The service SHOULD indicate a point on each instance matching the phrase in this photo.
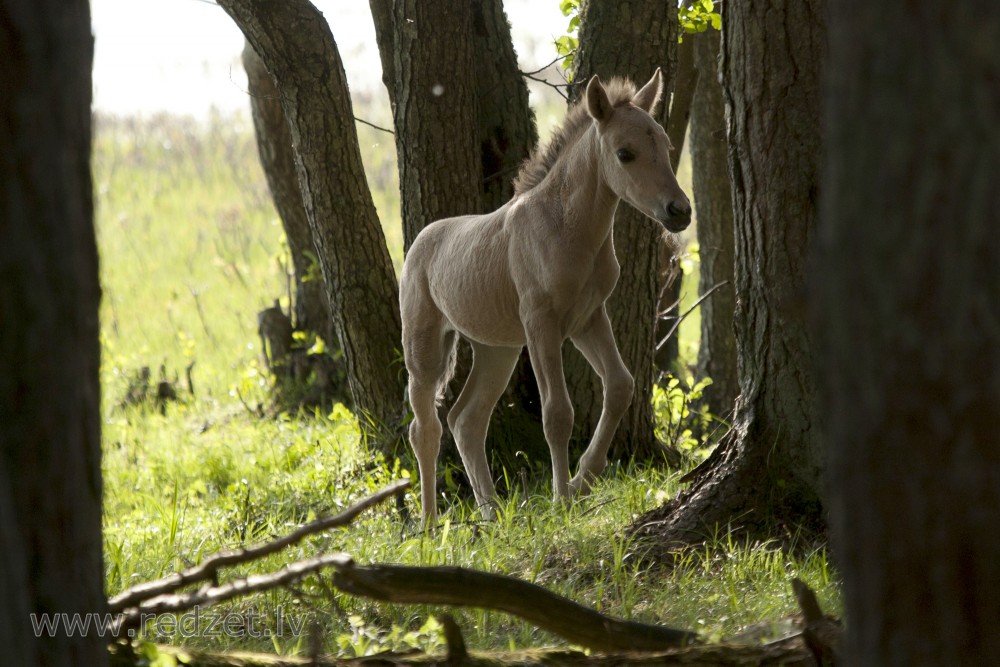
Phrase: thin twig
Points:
(207, 569)
(542, 69)
(662, 315)
(688, 312)
(555, 86)
(370, 124)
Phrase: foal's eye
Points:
(625, 155)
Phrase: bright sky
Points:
(183, 56)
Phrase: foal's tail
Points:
(450, 360)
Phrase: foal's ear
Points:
(649, 96)
(598, 103)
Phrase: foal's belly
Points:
(481, 305)
(484, 322)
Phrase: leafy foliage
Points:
(699, 16)
(682, 418)
(567, 44)
(694, 17)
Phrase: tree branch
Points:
(371, 124)
(207, 569)
(470, 588)
(210, 595)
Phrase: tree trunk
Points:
(50, 441)
(302, 378)
(507, 132)
(507, 135)
(506, 125)
(714, 208)
(909, 280)
(668, 309)
(459, 156)
(766, 473)
(685, 84)
(274, 143)
(627, 38)
(294, 41)
(435, 112)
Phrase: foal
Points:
(535, 272)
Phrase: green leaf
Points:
(319, 347)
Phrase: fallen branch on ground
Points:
(454, 586)
(628, 641)
(135, 617)
(461, 587)
(208, 569)
(427, 585)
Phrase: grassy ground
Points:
(191, 249)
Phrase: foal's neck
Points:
(588, 202)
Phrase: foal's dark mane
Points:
(540, 163)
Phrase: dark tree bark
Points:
(908, 280)
(668, 309)
(50, 473)
(767, 471)
(685, 84)
(459, 155)
(714, 208)
(507, 132)
(277, 157)
(295, 43)
(627, 38)
(302, 378)
(507, 135)
(474, 32)
(435, 112)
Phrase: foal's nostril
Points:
(677, 211)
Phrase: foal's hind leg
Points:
(427, 356)
(597, 343)
(469, 418)
(425, 438)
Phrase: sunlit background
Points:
(183, 56)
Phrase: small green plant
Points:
(365, 639)
(682, 418)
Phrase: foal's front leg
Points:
(597, 343)
(545, 351)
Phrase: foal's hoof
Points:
(579, 486)
(489, 511)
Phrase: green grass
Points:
(191, 249)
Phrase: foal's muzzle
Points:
(676, 216)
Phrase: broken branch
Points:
(470, 588)
(207, 569)
(210, 595)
